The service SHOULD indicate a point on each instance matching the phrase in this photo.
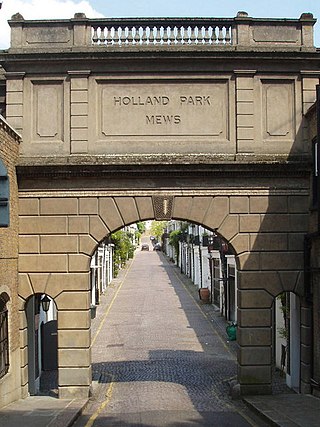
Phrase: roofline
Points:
(9, 128)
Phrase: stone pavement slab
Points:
(287, 410)
(41, 411)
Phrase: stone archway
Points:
(60, 231)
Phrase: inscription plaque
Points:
(144, 109)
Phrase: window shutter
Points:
(4, 196)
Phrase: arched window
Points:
(4, 335)
(4, 196)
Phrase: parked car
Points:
(145, 247)
(157, 247)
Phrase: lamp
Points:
(45, 303)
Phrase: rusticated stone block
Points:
(249, 223)
(305, 372)
(78, 225)
(28, 207)
(73, 357)
(74, 392)
(73, 301)
(255, 356)
(254, 336)
(88, 206)
(254, 374)
(29, 244)
(306, 335)
(229, 227)
(71, 319)
(269, 280)
(39, 282)
(74, 376)
(59, 206)
(299, 222)
(217, 213)
(269, 242)
(268, 204)
(249, 261)
(182, 207)
(254, 317)
(79, 263)
(58, 244)
(42, 225)
(77, 338)
(199, 208)
(110, 214)
(276, 223)
(240, 243)
(25, 287)
(98, 229)
(145, 207)
(295, 241)
(254, 299)
(298, 204)
(43, 263)
(58, 283)
(239, 204)
(281, 260)
(305, 354)
(87, 244)
(128, 209)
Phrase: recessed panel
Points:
(163, 109)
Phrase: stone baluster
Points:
(130, 36)
(95, 37)
(123, 36)
(136, 37)
(193, 35)
(165, 36)
(109, 39)
(156, 33)
(151, 35)
(220, 36)
(228, 35)
(206, 36)
(102, 35)
(144, 35)
(179, 36)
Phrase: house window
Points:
(4, 196)
(4, 336)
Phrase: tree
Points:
(123, 249)
(157, 229)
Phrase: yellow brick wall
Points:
(9, 148)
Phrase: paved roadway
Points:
(159, 359)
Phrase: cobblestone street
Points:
(158, 359)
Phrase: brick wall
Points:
(9, 146)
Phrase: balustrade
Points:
(161, 34)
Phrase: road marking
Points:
(110, 388)
(109, 307)
(103, 404)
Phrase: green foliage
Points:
(157, 229)
(141, 227)
(123, 249)
(174, 238)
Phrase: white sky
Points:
(50, 9)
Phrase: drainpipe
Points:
(310, 238)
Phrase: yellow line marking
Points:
(102, 406)
(110, 388)
(109, 307)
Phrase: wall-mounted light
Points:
(45, 303)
